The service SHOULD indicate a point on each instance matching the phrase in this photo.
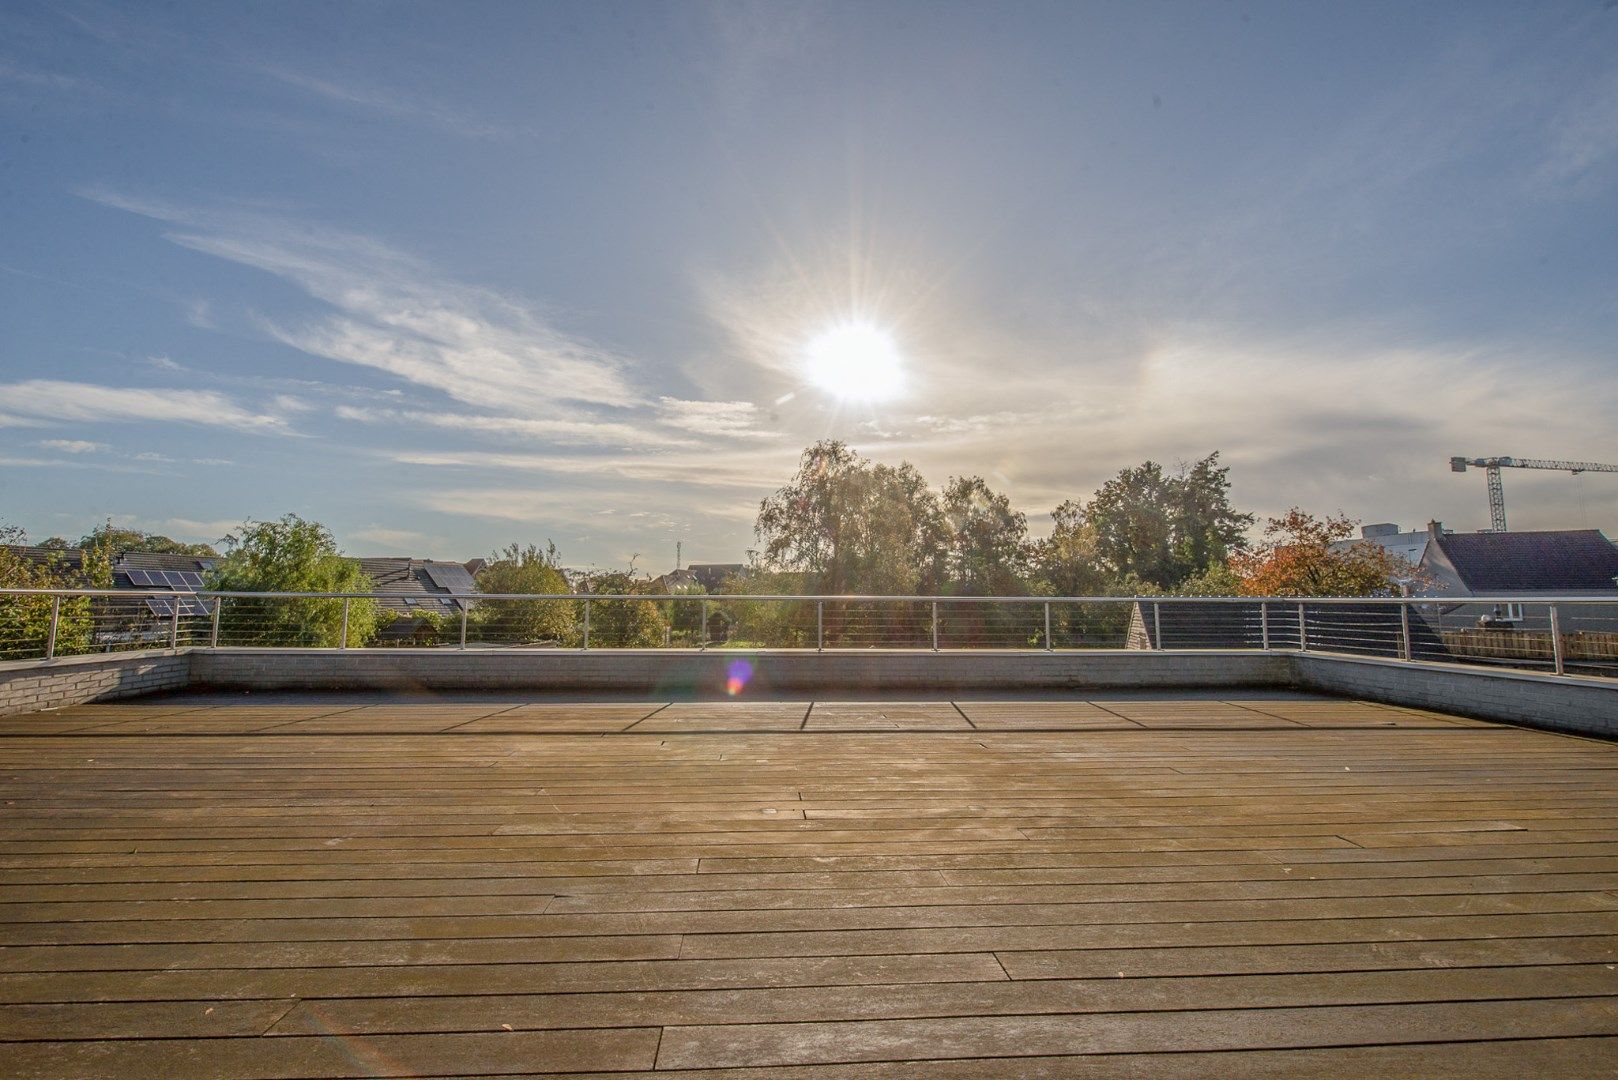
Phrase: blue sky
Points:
(445, 276)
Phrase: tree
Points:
(1068, 562)
(768, 624)
(25, 621)
(1164, 528)
(1296, 558)
(625, 624)
(290, 555)
(525, 569)
(119, 540)
(987, 540)
(854, 526)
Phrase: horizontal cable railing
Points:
(1563, 635)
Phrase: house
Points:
(1566, 562)
(1409, 546)
(408, 588)
(711, 576)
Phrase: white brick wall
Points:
(29, 686)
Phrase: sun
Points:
(855, 362)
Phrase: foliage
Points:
(853, 525)
(1296, 558)
(117, 540)
(290, 555)
(771, 625)
(520, 569)
(1163, 528)
(626, 624)
(1068, 562)
(25, 620)
(987, 540)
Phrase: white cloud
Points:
(51, 399)
(734, 419)
(396, 104)
(74, 446)
(391, 313)
(579, 432)
(744, 474)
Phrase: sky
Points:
(448, 276)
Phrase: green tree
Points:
(1068, 561)
(854, 526)
(117, 540)
(25, 620)
(987, 540)
(529, 570)
(1163, 528)
(625, 624)
(290, 555)
(768, 624)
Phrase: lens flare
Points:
(737, 676)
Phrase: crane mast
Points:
(1497, 494)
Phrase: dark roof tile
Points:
(1572, 559)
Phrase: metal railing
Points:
(1562, 635)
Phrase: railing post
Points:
(1157, 625)
(1303, 629)
(56, 617)
(935, 626)
(174, 625)
(1264, 625)
(1558, 661)
(342, 642)
(1405, 650)
(466, 605)
(586, 624)
(213, 630)
(820, 626)
(1047, 626)
(704, 638)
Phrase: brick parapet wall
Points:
(29, 686)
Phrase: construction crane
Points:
(1497, 495)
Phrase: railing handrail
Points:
(1502, 598)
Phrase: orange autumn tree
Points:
(1296, 558)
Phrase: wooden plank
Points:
(1058, 888)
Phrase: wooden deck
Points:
(1137, 888)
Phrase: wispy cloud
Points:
(74, 446)
(394, 103)
(515, 428)
(734, 419)
(390, 312)
(51, 399)
(754, 473)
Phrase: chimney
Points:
(1435, 528)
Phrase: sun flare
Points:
(855, 362)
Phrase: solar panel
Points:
(139, 577)
(164, 608)
(192, 579)
(450, 578)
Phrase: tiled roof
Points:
(1574, 559)
(62, 558)
(417, 584)
(151, 560)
